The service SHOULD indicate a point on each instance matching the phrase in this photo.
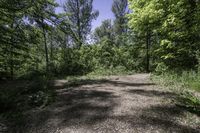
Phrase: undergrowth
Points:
(120, 70)
(24, 95)
(187, 87)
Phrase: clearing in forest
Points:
(116, 104)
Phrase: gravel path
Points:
(119, 104)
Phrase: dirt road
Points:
(117, 104)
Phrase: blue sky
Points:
(104, 7)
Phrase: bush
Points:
(189, 101)
(185, 85)
(161, 68)
(37, 99)
(37, 93)
(119, 70)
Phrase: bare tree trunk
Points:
(51, 54)
(11, 55)
(46, 51)
(79, 24)
(11, 64)
(148, 42)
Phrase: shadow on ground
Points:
(167, 118)
(152, 93)
(73, 107)
(162, 116)
(77, 83)
(87, 106)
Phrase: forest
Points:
(150, 44)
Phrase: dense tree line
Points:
(35, 38)
(144, 36)
(169, 30)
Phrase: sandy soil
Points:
(118, 104)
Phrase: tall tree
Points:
(13, 35)
(43, 14)
(120, 9)
(81, 14)
(104, 31)
(173, 25)
(145, 21)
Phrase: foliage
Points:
(120, 9)
(104, 31)
(119, 70)
(171, 29)
(81, 14)
(161, 68)
(27, 95)
(189, 101)
(185, 85)
(93, 57)
(37, 44)
(13, 36)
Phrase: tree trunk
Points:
(46, 51)
(148, 42)
(51, 54)
(79, 24)
(11, 64)
(11, 54)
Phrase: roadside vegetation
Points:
(186, 85)
(39, 45)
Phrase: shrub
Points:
(37, 93)
(161, 68)
(189, 101)
(185, 85)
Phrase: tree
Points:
(119, 8)
(179, 34)
(104, 31)
(172, 26)
(81, 14)
(142, 20)
(43, 14)
(14, 36)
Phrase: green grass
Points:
(187, 87)
(97, 75)
(100, 73)
(111, 71)
(185, 80)
(189, 101)
(195, 85)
